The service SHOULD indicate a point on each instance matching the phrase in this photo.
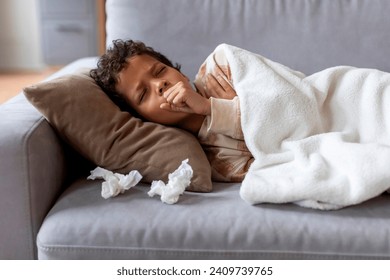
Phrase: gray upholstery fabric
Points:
(32, 173)
(217, 225)
(305, 35)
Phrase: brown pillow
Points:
(86, 118)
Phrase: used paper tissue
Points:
(115, 183)
(178, 181)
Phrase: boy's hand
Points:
(218, 87)
(182, 98)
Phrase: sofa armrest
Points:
(32, 172)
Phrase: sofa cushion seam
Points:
(194, 252)
(28, 201)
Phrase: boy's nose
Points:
(161, 87)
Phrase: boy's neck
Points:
(192, 124)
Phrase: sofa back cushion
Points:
(305, 35)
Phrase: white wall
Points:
(20, 47)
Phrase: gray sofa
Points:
(49, 211)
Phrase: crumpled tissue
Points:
(115, 183)
(178, 181)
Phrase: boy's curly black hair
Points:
(115, 59)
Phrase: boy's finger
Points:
(211, 79)
(170, 90)
(229, 91)
(168, 107)
(173, 108)
(221, 80)
(214, 85)
(170, 96)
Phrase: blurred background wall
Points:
(20, 38)
(38, 37)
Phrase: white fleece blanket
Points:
(321, 141)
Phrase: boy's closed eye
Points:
(161, 70)
(142, 96)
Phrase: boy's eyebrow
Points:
(154, 65)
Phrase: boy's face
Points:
(142, 84)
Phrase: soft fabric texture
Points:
(93, 125)
(217, 225)
(320, 141)
(222, 140)
(221, 134)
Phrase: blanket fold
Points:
(320, 141)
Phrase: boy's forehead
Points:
(136, 64)
(141, 59)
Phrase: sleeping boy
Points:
(319, 141)
(157, 91)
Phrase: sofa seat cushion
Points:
(217, 225)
